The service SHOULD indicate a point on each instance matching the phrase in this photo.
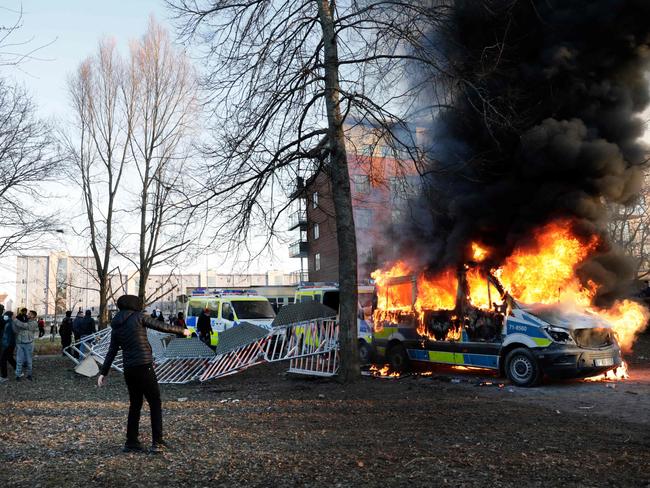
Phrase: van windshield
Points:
(195, 309)
(257, 309)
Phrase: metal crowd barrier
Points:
(78, 350)
(310, 346)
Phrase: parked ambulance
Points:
(524, 342)
(227, 309)
(327, 293)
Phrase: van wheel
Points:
(398, 359)
(522, 368)
(365, 353)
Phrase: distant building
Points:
(58, 282)
(163, 290)
(213, 279)
(52, 284)
(381, 182)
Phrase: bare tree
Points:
(282, 78)
(629, 228)
(27, 160)
(134, 117)
(163, 86)
(103, 106)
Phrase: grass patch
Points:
(44, 347)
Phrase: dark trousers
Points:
(7, 356)
(142, 383)
(66, 340)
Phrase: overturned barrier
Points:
(183, 360)
(309, 345)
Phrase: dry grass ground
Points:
(262, 428)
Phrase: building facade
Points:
(381, 184)
(52, 284)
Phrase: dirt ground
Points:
(263, 428)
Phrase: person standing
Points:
(66, 330)
(41, 327)
(180, 320)
(2, 320)
(25, 333)
(129, 333)
(8, 346)
(203, 326)
(84, 326)
(76, 325)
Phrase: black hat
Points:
(129, 302)
(68, 313)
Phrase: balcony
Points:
(298, 189)
(298, 219)
(298, 249)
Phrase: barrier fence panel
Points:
(309, 338)
(78, 350)
(182, 361)
(239, 348)
(311, 347)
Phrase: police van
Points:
(227, 309)
(327, 293)
(524, 342)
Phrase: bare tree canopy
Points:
(27, 160)
(130, 145)
(282, 78)
(98, 151)
(163, 86)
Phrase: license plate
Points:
(604, 362)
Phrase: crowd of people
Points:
(18, 333)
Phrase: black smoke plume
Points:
(546, 97)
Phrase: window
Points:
(363, 218)
(226, 312)
(194, 309)
(361, 183)
(317, 261)
(314, 199)
(316, 231)
(257, 309)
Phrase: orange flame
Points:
(620, 373)
(545, 271)
(542, 271)
(478, 253)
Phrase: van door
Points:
(481, 331)
(228, 317)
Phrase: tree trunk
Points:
(142, 285)
(103, 302)
(339, 176)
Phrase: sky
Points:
(67, 32)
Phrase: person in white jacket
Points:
(25, 333)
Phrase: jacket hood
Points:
(120, 318)
(129, 302)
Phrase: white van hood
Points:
(559, 315)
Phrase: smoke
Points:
(545, 123)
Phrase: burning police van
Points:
(467, 318)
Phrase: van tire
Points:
(398, 359)
(522, 368)
(365, 353)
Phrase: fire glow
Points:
(543, 272)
